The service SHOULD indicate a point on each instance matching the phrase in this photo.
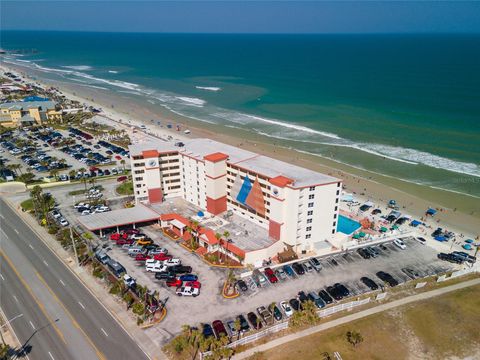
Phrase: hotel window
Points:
(138, 178)
(311, 197)
(310, 205)
(336, 201)
(309, 221)
(336, 208)
(335, 216)
(333, 231)
(312, 188)
(338, 192)
(309, 228)
(334, 223)
(310, 213)
(338, 184)
(308, 236)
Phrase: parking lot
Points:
(210, 305)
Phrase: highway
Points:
(61, 318)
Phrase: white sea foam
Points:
(208, 88)
(78, 67)
(113, 71)
(94, 86)
(192, 101)
(25, 61)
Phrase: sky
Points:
(243, 16)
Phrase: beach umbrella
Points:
(383, 229)
(467, 246)
(362, 234)
(394, 227)
(200, 213)
(356, 236)
(469, 241)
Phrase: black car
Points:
(453, 258)
(254, 320)
(165, 275)
(299, 269)
(325, 297)
(181, 269)
(386, 277)
(295, 304)
(243, 323)
(207, 331)
(469, 258)
(302, 296)
(242, 285)
(342, 289)
(151, 247)
(372, 285)
(333, 291)
(363, 253)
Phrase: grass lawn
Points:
(27, 204)
(438, 328)
(126, 188)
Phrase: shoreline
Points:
(458, 210)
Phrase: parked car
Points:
(142, 257)
(129, 281)
(280, 274)
(295, 304)
(195, 284)
(299, 269)
(243, 323)
(288, 270)
(386, 277)
(207, 331)
(270, 275)
(411, 273)
(242, 285)
(302, 296)
(254, 320)
(342, 289)
(277, 314)
(363, 253)
(400, 244)
(316, 264)
(308, 267)
(172, 262)
(189, 277)
(334, 293)
(325, 297)
(158, 250)
(165, 275)
(372, 285)
(421, 240)
(286, 308)
(188, 291)
(181, 269)
(219, 329)
(63, 222)
(161, 257)
(174, 282)
(145, 241)
(317, 300)
(265, 315)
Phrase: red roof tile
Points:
(216, 157)
(281, 181)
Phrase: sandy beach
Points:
(457, 212)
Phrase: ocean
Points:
(405, 106)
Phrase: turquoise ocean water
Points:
(407, 106)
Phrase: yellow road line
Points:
(40, 305)
(99, 353)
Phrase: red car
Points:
(174, 282)
(132, 231)
(271, 275)
(162, 257)
(118, 157)
(193, 284)
(115, 236)
(122, 178)
(123, 241)
(142, 257)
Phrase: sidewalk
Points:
(356, 316)
(149, 339)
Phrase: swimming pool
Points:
(346, 225)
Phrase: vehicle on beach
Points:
(400, 244)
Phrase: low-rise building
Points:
(22, 113)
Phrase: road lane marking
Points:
(31, 324)
(2, 217)
(29, 289)
(104, 332)
(16, 231)
(15, 298)
(83, 307)
(1, 276)
(72, 319)
(61, 282)
(45, 262)
(51, 356)
(31, 247)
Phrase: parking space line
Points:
(31, 324)
(104, 332)
(61, 282)
(31, 247)
(81, 305)
(45, 262)
(15, 298)
(16, 231)
(1, 276)
(51, 356)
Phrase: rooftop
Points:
(135, 215)
(263, 165)
(18, 105)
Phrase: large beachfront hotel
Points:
(268, 206)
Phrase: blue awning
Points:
(415, 223)
(245, 190)
(431, 211)
(440, 238)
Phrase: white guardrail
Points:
(284, 324)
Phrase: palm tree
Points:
(84, 179)
(123, 164)
(54, 173)
(237, 325)
(71, 174)
(354, 338)
(218, 236)
(14, 168)
(226, 235)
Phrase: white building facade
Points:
(298, 207)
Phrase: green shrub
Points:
(138, 308)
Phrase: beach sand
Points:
(457, 212)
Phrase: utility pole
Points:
(6, 323)
(74, 246)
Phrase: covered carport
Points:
(139, 214)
